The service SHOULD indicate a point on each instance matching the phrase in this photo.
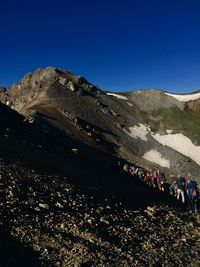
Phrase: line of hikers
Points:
(186, 191)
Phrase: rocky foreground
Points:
(46, 221)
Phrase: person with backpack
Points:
(181, 188)
(154, 178)
(192, 194)
(126, 167)
(148, 177)
(141, 174)
(158, 178)
(173, 187)
(132, 170)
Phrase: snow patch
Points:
(139, 131)
(154, 156)
(118, 96)
(180, 143)
(177, 142)
(169, 131)
(129, 104)
(184, 98)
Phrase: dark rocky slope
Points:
(64, 221)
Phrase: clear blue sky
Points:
(118, 44)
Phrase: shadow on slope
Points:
(86, 170)
(14, 254)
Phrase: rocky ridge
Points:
(148, 100)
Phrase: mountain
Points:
(64, 202)
(149, 126)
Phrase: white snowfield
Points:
(139, 131)
(180, 143)
(185, 98)
(118, 96)
(154, 156)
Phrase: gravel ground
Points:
(54, 223)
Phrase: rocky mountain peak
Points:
(50, 75)
(33, 79)
(46, 83)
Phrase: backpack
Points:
(194, 188)
(125, 167)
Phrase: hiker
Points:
(147, 179)
(166, 187)
(192, 194)
(158, 178)
(173, 187)
(154, 179)
(132, 170)
(141, 174)
(164, 183)
(181, 188)
(125, 168)
(136, 170)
